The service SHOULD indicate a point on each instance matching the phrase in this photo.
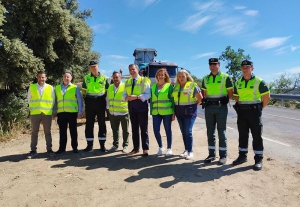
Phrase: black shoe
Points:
(60, 151)
(75, 151)
(103, 149)
(239, 160)
(88, 148)
(209, 159)
(257, 166)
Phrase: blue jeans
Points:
(167, 121)
(186, 128)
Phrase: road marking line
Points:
(283, 117)
(230, 128)
(276, 142)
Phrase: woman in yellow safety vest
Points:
(187, 96)
(162, 109)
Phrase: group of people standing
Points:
(128, 101)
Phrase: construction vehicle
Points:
(144, 58)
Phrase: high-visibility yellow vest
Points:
(68, 101)
(95, 88)
(148, 80)
(161, 104)
(116, 103)
(38, 104)
(216, 89)
(139, 88)
(251, 94)
(186, 96)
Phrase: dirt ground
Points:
(114, 179)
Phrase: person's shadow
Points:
(112, 161)
(186, 172)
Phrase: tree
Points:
(43, 34)
(285, 84)
(196, 80)
(233, 61)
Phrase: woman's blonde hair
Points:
(188, 77)
(167, 77)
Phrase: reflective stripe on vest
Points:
(40, 104)
(216, 89)
(251, 94)
(95, 87)
(161, 104)
(66, 102)
(139, 88)
(115, 100)
(186, 96)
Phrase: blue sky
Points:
(189, 32)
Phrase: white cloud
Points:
(204, 13)
(270, 42)
(101, 28)
(293, 70)
(142, 3)
(229, 26)
(194, 22)
(203, 55)
(293, 48)
(251, 12)
(239, 7)
(281, 50)
(116, 57)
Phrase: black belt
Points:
(215, 103)
(94, 97)
(248, 107)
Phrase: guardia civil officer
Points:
(118, 111)
(251, 95)
(94, 86)
(217, 89)
(137, 92)
(68, 107)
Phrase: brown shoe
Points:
(133, 152)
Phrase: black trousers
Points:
(139, 122)
(250, 120)
(95, 107)
(64, 119)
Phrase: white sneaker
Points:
(125, 150)
(160, 151)
(169, 152)
(189, 156)
(184, 154)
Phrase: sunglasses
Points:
(213, 63)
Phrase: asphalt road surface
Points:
(281, 132)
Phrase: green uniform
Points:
(216, 110)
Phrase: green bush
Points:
(287, 104)
(13, 112)
(272, 101)
(297, 106)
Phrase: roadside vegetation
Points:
(38, 35)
